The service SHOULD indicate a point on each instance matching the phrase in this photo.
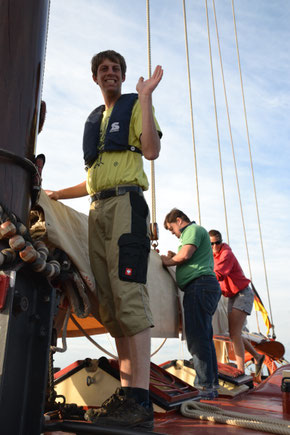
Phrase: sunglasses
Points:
(216, 243)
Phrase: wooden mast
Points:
(27, 312)
(23, 26)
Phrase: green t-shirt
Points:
(201, 262)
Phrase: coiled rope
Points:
(214, 414)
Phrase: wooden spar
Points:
(23, 26)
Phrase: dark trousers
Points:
(200, 301)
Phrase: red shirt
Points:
(229, 272)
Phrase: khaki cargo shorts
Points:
(119, 247)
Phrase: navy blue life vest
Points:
(117, 133)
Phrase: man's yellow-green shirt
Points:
(115, 168)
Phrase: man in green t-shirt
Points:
(195, 276)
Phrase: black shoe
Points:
(207, 394)
(128, 414)
(109, 405)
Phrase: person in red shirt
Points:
(235, 286)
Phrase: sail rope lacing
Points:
(191, 111)
(216, 122)
(252, 169)
(206, 412)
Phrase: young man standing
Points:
(195, 276)
(116, 136)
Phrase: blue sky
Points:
(80, 28)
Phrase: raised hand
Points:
(146, 87)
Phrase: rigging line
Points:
(148, 36)
(252, 168)
(90, 338)
(152, 165)
(231, 138)
(78, 325)
(191, 111)
(109, 340)
(216, 121)
(64, 334)
(159, 347)
(44, 62)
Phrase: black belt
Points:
(117, 191)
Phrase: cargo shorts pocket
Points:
(133, 258)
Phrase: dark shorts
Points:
(242, 301)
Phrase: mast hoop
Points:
(21, 161)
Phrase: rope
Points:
(216, 121)
(252, 168)
(23, 248)
(90, 338)
(44, 61)
(148, 36)
(152, 165)
(191, 111)
(102, 348)
(50, 380)
(231, 138)
(159, 347)
(64, 333)
(203, 411)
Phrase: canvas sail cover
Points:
(64, 228)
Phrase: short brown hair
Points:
(215, 233)
(173, 215)
(113, 56)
